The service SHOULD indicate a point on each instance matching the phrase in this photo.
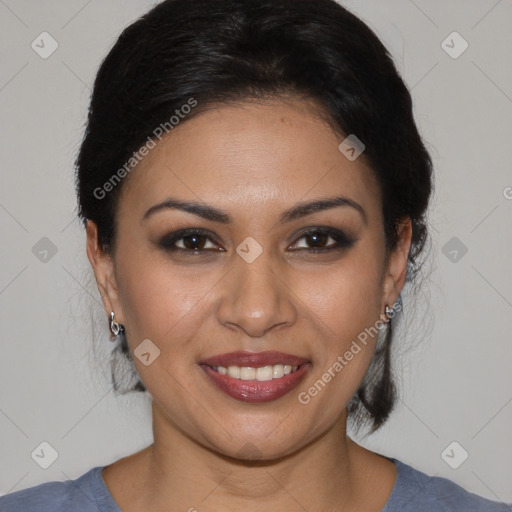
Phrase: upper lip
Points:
(254, 359)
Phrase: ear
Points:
(103, 267)
(395, 271)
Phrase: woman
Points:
(254, 190)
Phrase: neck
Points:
(181, 471)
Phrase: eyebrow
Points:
(217, 215)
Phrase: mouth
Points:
(255, 377)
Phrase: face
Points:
(249, 278)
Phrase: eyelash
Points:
(342, 241)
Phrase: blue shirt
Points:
(413, 491)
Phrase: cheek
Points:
(344, 297)
(165, 305)
(170, 305)
(156, 296)
(343, 304)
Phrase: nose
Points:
(256, 298)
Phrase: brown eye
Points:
(320, 238)
(191, 240)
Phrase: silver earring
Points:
(389, 312)
(114, 326)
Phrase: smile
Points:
(255, 377)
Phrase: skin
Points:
(252, 160)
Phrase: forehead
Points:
(249, 156)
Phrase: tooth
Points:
(247, 373)
(234, 371)
(277, 371)
(264, 373)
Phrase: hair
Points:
(221, 51)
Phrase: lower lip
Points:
(256, 391)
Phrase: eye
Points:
(196, 241)
(191, 240)
(320, 237)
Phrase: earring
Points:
(114, 326)
(385, 318)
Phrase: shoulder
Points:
(88, 493)
(416, 491)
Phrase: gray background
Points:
(454, 360)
